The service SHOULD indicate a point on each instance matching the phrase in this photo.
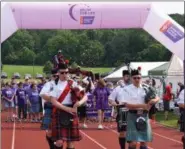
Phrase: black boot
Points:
(143, 147)
(50, 142)
(58, 147)
(122, 142)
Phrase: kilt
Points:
(62, 133)
(133, 134)
(121, 120)
(46, 121)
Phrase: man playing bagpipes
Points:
(66, 97)
(114, 100)
(139, 98)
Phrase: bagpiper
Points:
(66, 97)
(139, 99)
(114, 99)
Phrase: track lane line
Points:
(93, 140)
(13, 137)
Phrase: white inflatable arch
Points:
(92, 15)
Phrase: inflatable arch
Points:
(93, 15)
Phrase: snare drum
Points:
(122, 118)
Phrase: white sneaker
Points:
(84, 126)
(100, 127)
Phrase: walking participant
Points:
(101, 94)
(114, 100)
(139, 100)
(45, 95)
(181, 106)
(66, 97)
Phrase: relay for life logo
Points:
(172, 31)
(82, 13)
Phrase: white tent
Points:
(145, 67)
(175, 72)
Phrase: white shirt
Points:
(46, 90)
(133, 95)
(59, 88)
(181, 97)
(116, 93)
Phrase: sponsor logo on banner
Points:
(171, 31)
(84, 14)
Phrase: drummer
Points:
(114, 101)
(138, 125)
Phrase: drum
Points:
(122, 118)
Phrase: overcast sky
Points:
(171, 7)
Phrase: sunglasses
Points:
(64, 72)
(136, 78)
(55, 76)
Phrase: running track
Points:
(28, 136)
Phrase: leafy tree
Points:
(47, 67)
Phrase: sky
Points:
(171, 7)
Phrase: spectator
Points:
(8, 95)
(33, 96)
(21, 102)
(166, 99)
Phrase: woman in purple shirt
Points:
(8, 95)
(101, 94)
(21, 101)
(33, 96)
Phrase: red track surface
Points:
(28, 136)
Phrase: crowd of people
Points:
(59, 102)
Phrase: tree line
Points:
(92, 48)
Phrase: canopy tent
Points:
(172, 71)
(145, 67)
(92, 15)
(159, 71)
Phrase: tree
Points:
(27, 56)
(47, 67)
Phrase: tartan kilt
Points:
(46, 121)
(133, 134)
(66, 134)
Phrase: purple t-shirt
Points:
(101, 95)
(33, 96)
(26, 86)
(21, 97)
(40, 86)
(8, 93)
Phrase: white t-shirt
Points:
(116, 94)
(181, 97)
(59, 88)
(133, 95)
(46, 90)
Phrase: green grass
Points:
(10, 69)
(171, 122)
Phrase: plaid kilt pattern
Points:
(46, 121)
(66, 134)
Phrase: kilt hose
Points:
(62, 133)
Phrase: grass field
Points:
(171, 122)
(10, 69)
